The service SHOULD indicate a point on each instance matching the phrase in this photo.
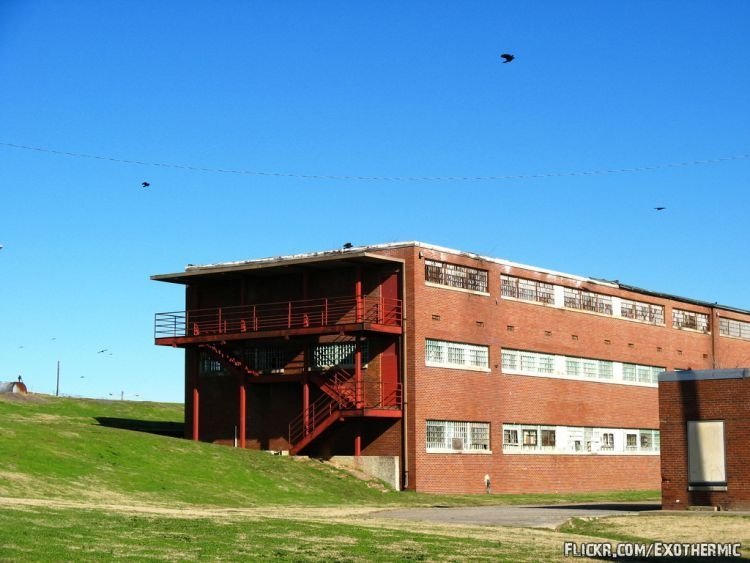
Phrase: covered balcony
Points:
(326, 315)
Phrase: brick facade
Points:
(495, 397)
(694, 397)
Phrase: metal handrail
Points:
(304, 313)
(352, 395)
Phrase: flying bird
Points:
(660, 208)
(508, 57)
(102, 351)
(145, 184)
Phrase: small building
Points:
(13, 387)
(705, 452)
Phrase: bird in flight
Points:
(102, 351)
(660, 208)
(508, 57)
(145, 184)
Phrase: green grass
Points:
(56, 448)
(89, 535)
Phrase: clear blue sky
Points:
(352, 88)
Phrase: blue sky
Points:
(379, 89)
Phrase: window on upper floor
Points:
(527, 290)
(642, 312)
(734, 328)
(587, 301)
(454, 275)
(690, 320)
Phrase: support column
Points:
(243, 411)
(358, 387)
(359, 309)
(196, 400)
(358, 443)
(306, 402)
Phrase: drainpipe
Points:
(404, 387)
(714, 335)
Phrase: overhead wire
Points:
(597, 172)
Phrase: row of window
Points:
(454, 275)
(529, 438)
(451, 436)
(570, 298)
(522, 362)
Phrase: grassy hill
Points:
(78, 449)
(67, 448)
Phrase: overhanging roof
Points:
(272, 266)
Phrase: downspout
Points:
(714, 335)
(404, 387)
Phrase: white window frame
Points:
(458, 437)
(578, 440)
(457, 355)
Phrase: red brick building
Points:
(705, 424)
(461, 365)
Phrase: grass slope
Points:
(56, 448)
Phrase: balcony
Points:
(326, 315)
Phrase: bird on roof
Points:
(660, 208)
(508, 57)
(145, 184)
(348, 245)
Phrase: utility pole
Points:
(57, 388)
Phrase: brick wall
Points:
(450, 394)
(683, 401)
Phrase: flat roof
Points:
(366, 253)
(704, 374)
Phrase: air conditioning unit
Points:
(457, 443)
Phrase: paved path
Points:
(537, 516)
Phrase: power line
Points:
(599, 172)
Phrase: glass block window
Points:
(441, 353)
(642, 312)
(734, 328)
(587, 301)
(690, 320)
(454, 275)
(457, 436)
(336, 354)
(527, 290)
(510, 359)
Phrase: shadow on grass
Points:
(160, 427)
(624, 506)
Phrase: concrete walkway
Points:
(536, 516)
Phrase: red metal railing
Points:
(367, 395)
(306, 313)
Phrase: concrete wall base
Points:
(383, 467)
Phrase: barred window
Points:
(441, 353)
(734, 328)
(527, 290)
(210, 367)
(642, 312)
(690, 320)
(453, 275)
(587, 301)
(457, 436)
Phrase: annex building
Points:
(458, 365)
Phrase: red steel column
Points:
(358, 443)
(306, 402)
(243, 411)
(358, 372)
(196, 398)
(358, 296)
